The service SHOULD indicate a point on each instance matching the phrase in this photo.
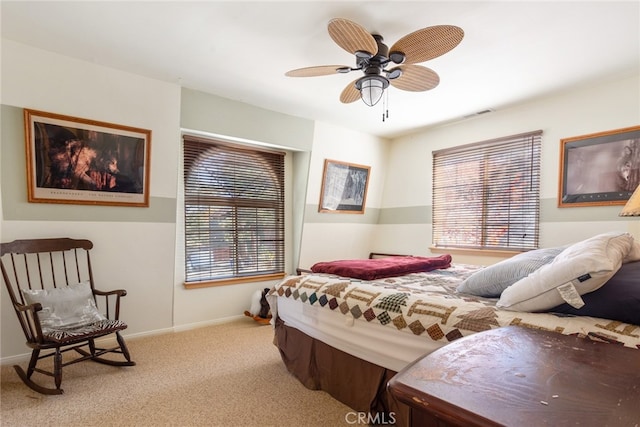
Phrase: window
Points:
(487, 195)
(234, 211)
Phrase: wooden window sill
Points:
(233, 281)
(475, 252)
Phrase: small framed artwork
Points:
(344, 187)
(80, 161)
(599, 169)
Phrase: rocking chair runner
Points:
(50, 283)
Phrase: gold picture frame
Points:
(344, 187)
(80, 161)
(599, 169)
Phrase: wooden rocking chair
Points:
(51, 286)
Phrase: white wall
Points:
(137, 249)
(328, 236)
(140, 249)
(610, 105)
(136, 255)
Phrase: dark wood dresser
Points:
(517, 376)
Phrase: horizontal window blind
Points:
(487, 195)
(234, 211)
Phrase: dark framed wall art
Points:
(344, 187)
(599, 169)
(80, 161)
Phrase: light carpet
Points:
(222, 375)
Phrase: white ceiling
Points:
(512, 51)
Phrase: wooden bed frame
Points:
(357, 383)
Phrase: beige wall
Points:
(327, 236)
(134, 247)
(140, 248)
(405, 222)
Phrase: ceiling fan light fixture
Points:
(371, 89)
(373, 56)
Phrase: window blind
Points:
(486, 195)
(234, 210)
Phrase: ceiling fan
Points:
(373, 56)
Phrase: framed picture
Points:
(599, 169)
(79, 161)
(344, 187)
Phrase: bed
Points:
(347, 326)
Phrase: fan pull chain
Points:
(385, 105)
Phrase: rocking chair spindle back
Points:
(51, 286)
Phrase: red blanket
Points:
(379, 268)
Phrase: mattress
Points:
(378, 345)
(391, 322)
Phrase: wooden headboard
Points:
(373, 255)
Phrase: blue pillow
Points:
(618, 299)
(492, 280)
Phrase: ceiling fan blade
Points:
(350, 93)
(352, 37)
(322, 70)
(428, 43)
(415, 78)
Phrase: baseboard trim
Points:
(189, 326)
(21, 358)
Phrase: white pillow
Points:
(65, 307)
(634, 253)
(581, 268)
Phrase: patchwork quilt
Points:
(428, 305)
